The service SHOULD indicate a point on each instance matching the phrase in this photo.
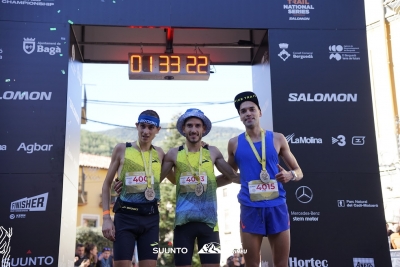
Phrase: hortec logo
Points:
(211, 248)
(363, 262)
(51, 48)
(295, 262)
(36, 203)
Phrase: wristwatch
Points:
(294, 176)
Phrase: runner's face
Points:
(106, 254)
(147, 132)
(249, 114)
(193, 130)
(80, 251)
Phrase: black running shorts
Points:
(185, 236)
(143, 229)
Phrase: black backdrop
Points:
(320, 55)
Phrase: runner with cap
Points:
(138, 166)
(262, 198)
(196, 185)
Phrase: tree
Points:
(92, 236)
(174, 138)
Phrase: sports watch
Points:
(294, 176)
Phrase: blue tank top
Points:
(250, 170)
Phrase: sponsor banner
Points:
(33, 213)
(317, 201)
(332, 103)
(33, 10)
(34, 97)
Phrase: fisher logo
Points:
(344, 52)
(294, 262)
(320, 97)
(304, 194)
(211, 248)
(34, 147)
(363, 262)
(358, 140)
(29, 45)
(340, 140)
(298, 9)
(284, 54)
(36, 203)
(51, 48)
(3, 147)
(19, 95)
(303, 140)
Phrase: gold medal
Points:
(199, 189)
(264, 176)
(149, 194)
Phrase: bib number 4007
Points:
(266, 187)
(139, 179)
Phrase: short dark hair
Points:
(150, 112)
(80, 245)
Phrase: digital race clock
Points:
(169, 66)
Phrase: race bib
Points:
(135, 182)
(263, 191)
(188, 183)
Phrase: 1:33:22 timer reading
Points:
(169, 66)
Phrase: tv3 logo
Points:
(340, 140)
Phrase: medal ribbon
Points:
(263, 160)
(197, 177)
(147, 169)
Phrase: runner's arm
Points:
(289, 159)
(167, 166)
(228, 174)
(108, 226)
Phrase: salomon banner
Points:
(33, 91)
(321, 102)
(30, 212)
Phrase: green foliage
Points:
(97, 144)
(92, 236)
(173, 137)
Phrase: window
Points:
(90, 220)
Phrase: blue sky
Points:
(110, 82)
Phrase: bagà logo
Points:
(18, 95)
(319, 97)
(284, 54)
(36, 203)
(28, 261)
(5, 238)
(363, 262)
(304, 194)
(303, 140)
(34, 147)
(42, 47)
(29, 45)
(211, 248)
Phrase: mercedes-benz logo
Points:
(304, 194)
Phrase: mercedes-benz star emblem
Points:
(304, 194)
